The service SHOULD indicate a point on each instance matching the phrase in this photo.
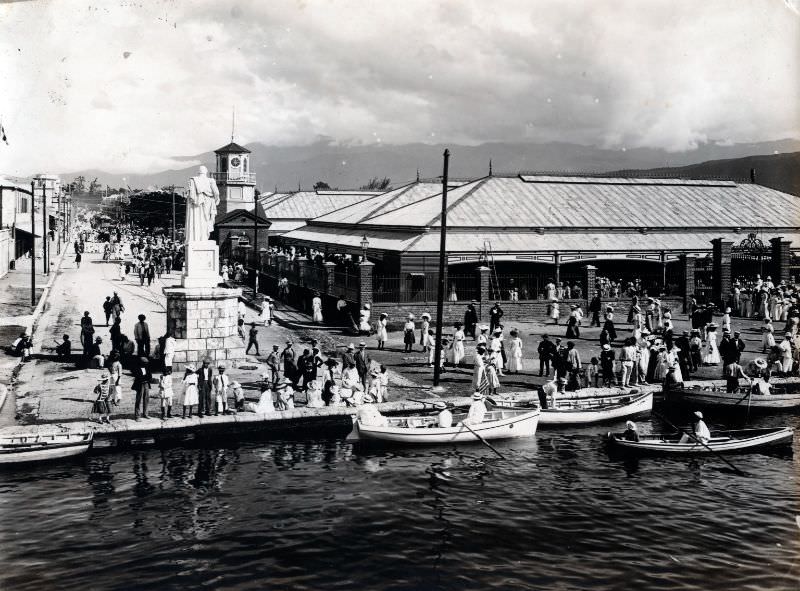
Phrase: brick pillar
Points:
(483, 282)
(781, 259)
(557, 261)
(302, 263)
(330, 269)
(721, 269)
(688, 280)
(365, 282)
(589, 278)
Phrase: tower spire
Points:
(490, 167)
(233, 123)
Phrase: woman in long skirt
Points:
(515, 350)
(491, 377)
(479, 368)
(190, 394)
(711, 355)
(316, 306)
(382, 333)
(458, 344)
(408, 333)
(423, 332)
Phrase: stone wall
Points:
(203, 321)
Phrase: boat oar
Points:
(715, 452)
(483, 441)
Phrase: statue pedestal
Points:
(203, 321)
(201, 267)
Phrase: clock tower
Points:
(237, 185)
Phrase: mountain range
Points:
(348, 166)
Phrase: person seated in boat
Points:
(630, 434)
(477, 410)
(759, 387)
(445, 417)
(732, 372)
(370, 416)
(699, 429)
(547, 394)
(314, 395)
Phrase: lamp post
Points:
(364, 247)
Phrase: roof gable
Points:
(232, 148)
(242, 216)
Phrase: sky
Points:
(134, 85)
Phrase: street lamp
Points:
(364, 247)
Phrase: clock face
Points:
(235, 161)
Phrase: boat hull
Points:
(41, 448)
(591, 410)
(516, 424)
(742, 441)
(722, 399)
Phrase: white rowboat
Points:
(497, 424)
(39, 447)
(720, 398)
(741, 440)
(590, 410)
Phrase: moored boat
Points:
(782, 398)
(587, 410)
(39, 447)
(497, 424)
(739, 441)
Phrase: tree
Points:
(94, 186)
(321, 186)
(79, 184)
(376, 184)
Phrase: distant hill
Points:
(777, 171)
(350, 166)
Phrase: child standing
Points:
(423, 332)
(190, 397)
(102, 405)
(408, 333)
(382, 333)
(554, 311)
(593, 373)
(165, 392)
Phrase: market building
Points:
(510, 235)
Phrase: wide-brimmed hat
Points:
(477, 396)
(484, 328)
(191, 367)
(103, 377)
(351, 346)
(606, 347)
(331, 362)
(630, 425)
(698, 414)
(727, 310)
(712, 325)
(235, 385)
(423, 315)
(367, 306)
(760, 363)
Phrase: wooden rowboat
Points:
(780, 399)
(39, 447)
(497, 424)
(589, 410)
(742, 440)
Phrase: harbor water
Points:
(557, 513)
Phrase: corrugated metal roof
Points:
(283, 226)
(383, 203)
(310, 204)
(513, 203)
(588, 180)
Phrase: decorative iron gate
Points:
(749, 258)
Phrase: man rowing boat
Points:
(477, 410)
(700, 430)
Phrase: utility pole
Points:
(58, 222)
(33, 248)
(256, 255)
(437, 354)
(173, 212)
(45, 232)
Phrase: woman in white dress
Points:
(662, 365)
(121, 271)
(382, 333)
(316, 306)
(711, 354)
(190, 397)
(767, 336)
(479, 368)
(225, 273)
(266, 312)
(515, 357)
(423, 332)
(458, 344)
(363, 320)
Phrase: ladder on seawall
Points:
(488, 257)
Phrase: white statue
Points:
(201, 206)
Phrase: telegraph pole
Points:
(45, 232)
(33, 248)
(173, 212)
(437, 354)
(256, 255)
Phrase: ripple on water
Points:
(557, 514)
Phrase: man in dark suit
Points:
(547, 351)
(495, 315)
(363, 362)
(204, 378)
(740, 346)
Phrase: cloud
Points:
(132, 87)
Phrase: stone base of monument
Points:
(203, 320)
